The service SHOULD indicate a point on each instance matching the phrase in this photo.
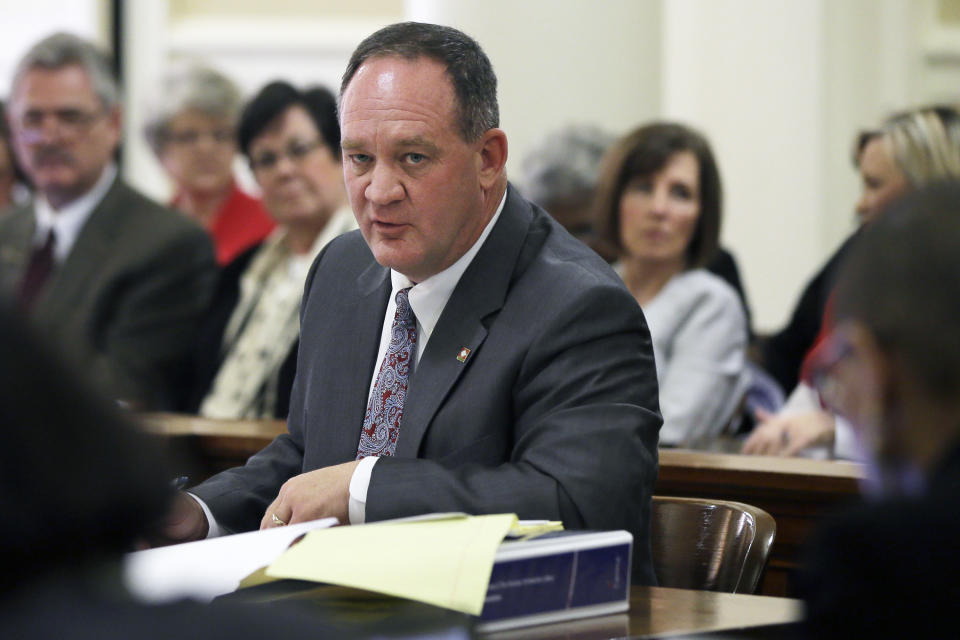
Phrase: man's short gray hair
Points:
(65, 49)
(193, 88)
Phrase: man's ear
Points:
(493, 157)
(115, 122)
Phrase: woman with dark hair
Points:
(659, 208)
(246, 356)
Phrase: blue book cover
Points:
(558, 577)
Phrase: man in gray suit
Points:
(112, 280)
(461, 352)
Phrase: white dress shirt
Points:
(67, 222)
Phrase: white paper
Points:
(205, 569)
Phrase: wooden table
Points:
(797, 492)
(658, 610)
(654, 611)
(212, 445)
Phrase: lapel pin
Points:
(462, 356)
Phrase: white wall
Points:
(562, 62)
(747, 74)
(26, 22)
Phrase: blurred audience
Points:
(113, 281)
(13, 181)
(659, 207)
(247, 352)
(78, 488)
(193, 132)
(560, 174)
(911, 150)
(891, 366)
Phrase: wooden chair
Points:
(711, 545)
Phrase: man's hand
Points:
(185, 523)
(787, 435)
(316, 494)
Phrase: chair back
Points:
(712, 545)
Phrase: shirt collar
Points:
(429, 297)
(67, 221)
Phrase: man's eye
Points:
(359, 158)
(415, 158)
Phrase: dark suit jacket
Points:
(208, 352)
(553, 415)
(889, 569)
(124, 305)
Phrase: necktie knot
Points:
(404, 315)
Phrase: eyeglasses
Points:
(822, 368)
(69, 121)
(296, 151)
(190, 137)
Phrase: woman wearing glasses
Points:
(246, 357)
(193, 134)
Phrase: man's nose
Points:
(384, 187)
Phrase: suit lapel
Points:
(356, 343)
(16, 243)
(479, 294)
(90, 252)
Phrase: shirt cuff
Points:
(213, 529)
(359, 484)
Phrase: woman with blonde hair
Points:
(911, 150)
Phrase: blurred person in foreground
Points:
(461, 351)
(659, 207)
(246, 354)
(912, 149)
(78, 488)
(112, 280)
(891, 366)
(193, 132)
(14, 187)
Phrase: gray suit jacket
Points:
(553, 414)
(125, 303)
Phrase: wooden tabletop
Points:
(658, 610)
(178, 424)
